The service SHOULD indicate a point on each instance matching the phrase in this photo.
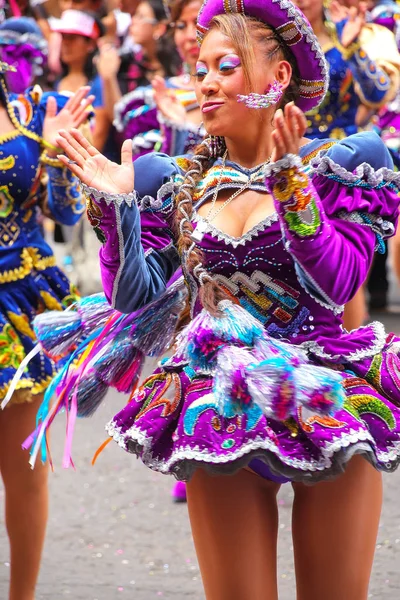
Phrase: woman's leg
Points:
(335, 525)
(26, 498)
(234, 523)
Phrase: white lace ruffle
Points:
(289, 161)
(322, 165)
(376, 346)
(109, 198)
(142, 93)
(233, 241)
(185, 460)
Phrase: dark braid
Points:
(192, 257)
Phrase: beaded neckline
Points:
(232, 240)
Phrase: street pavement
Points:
(115, 534)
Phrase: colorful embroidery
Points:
(307, 425)
(21, 324)
(301, 211)
(95, 214)
(157, 396)
(360, 404)
(11, 350)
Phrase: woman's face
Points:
(145, 27)
(75, 48)
(185, 33)
(220, 78)
(312, 9)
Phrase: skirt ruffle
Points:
(174, 425)
(20, 302)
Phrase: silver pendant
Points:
(198, 233)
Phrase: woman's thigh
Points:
(234, 523)
(335, 525)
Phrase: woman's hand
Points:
(94, 169)
(74, 113)
(356, 19)
(290, 127)
(167, 102)
(108, 61)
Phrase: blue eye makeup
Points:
(201, 70)
(229, 62)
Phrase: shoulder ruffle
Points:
(356, 182)
(132, 105)
(157, 177)
(360, 160)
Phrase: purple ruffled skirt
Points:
(174, 425)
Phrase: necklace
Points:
(202, 225)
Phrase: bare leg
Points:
(335, 525)
(234, 523)
(26, 499)
(355, 311)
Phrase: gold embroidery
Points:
(7, 163)
(30, 259)
(50, 302)
(21, 324)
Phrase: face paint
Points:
(229, 62)
(201, 70)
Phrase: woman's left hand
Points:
(290, 126)
(74, 113)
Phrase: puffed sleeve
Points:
(138, 256)
(64, 198)
(135, 118)
(335, 215)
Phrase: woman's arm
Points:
(332, 253)
(138, 255)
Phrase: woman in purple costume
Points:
(274, 234)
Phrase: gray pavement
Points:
(114, 533)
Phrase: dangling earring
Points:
(273, 94)
(216, 145)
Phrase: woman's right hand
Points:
(94, 169)
(167, 102)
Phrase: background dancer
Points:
(30, 283)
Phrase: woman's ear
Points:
(283, 73)
(159, 30)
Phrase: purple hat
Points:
(294, 29)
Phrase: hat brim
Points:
(294, 29)
(73, 31)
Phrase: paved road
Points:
(114, 532)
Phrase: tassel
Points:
(60, 331)
(279, 385)
(202, 339)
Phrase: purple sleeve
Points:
(331, 227)
(138, 255)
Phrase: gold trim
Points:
(26, 390)
(30, 259)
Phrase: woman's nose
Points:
(209, 84)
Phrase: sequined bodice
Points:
(258, 271)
